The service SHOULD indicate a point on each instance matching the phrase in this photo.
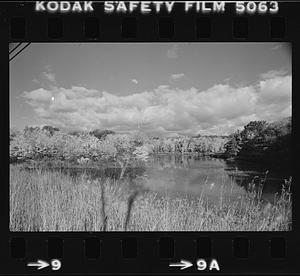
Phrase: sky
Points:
(163, 89)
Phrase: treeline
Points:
(258, 140)
(44, 144)
(262, 141)
(35, 143)
(202, 145)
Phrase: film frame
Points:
(148, 252)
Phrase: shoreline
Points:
(65, 203)
(103, 164)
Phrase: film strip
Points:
(146, 252)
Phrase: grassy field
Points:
(42, 200)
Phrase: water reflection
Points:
(194, 176)
(212, 177)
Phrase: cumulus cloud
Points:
(273, 73)
(135, 81)
(165, 111)
(175, 77)
(172, 52)
(40, 95)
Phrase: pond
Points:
(211, 177)
(194, 176)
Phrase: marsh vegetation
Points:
(106, 181)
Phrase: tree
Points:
(13, 133)
(262, 140)
(101, 134)
(128, 150)
(232, 147)
(30, 129)
(253, 129)
(51, 129)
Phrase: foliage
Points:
(233, 145)
(200, 145)
(263, 140)
(128, 150)
(101, 134)
(35, 143)
(41, 144)
(50, 129)
(13, 133)
(258, 139)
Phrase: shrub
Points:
(40, 144)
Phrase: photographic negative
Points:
(151, 137)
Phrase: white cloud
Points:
(48, 74)
(135, 81)
(220, 109)
(175, 77)
(47, 78)
(40, 95)
(273, 73)
(276, 47)
(172, 52)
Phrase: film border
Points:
(148, 260)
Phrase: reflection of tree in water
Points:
(192, 172)
(181, 161)
(171, 161)
(269, 176)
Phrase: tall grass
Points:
(41, 200)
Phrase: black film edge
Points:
(104, 237)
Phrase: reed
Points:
(41, 200)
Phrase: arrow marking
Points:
(183, 264)
(40, 264)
